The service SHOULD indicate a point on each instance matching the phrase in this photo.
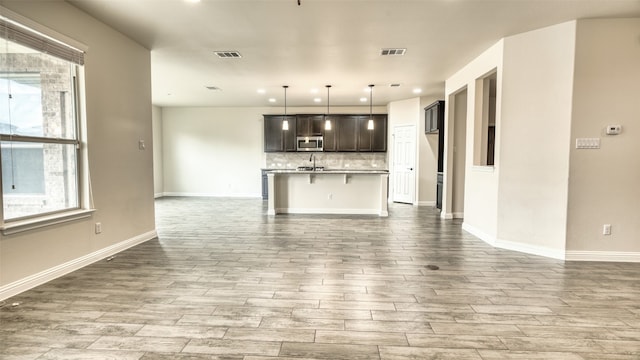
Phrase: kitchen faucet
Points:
(313, 157)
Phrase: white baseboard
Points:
(531, 249)
(446, 216)
(489, 239)
(158, 195)
(42, 277)
(458, 215)
(426, 203)
(609, 256)
(334, 211)
(212, 195)
(515, 246)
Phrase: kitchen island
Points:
(328, 192)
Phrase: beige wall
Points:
(481, 183)
(604, 184)
(459, 153)
(211, 151)
(427, 157)
(118, 115)
(543, 196)
(537, 81)
(158, 177)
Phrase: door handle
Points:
(410, 169)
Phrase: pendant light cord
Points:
(328, 87)
(371, 101)
(285, 101)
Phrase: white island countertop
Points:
(330, 171)
(335, 191)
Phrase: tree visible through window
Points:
(38, 130)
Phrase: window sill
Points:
(44, 221)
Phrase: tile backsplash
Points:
(358, 161)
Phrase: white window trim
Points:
(19, 226)
(85, 197)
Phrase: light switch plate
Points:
(588, 143)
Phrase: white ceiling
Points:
(323, 42)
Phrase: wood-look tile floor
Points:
(225, 281)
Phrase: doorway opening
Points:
(455, 157)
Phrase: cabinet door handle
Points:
(410, 169)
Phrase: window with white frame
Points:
(39, 134)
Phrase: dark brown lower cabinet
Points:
(265, 185)
(439, 187)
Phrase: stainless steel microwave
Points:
(310, 143)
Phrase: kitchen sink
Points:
(310, 168)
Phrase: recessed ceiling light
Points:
(363, 99)
(261, 91)
(272, 100)
(417, 91)
(317, 100)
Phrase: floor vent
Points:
(228, 54)
(390, 52)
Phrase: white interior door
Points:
(404, 164)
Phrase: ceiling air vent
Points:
(228, 54)
(394, 85)
(389, 52)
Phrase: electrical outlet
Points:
(98, 228)
(606, 229)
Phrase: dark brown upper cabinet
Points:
(309, 124)
(374, 140)
(329, 135)
(434, 117)
(347, 133)
(275, 138)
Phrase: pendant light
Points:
(327, 122)
(370, 122)
(285, 122)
